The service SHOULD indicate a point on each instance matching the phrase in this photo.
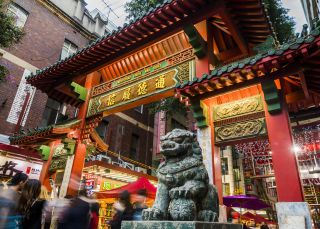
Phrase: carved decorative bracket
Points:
(45, 152)
(81, 91)
(200, 113)
(197, 42)
(61, 153)
(271, 95)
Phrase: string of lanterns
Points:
(257, 151)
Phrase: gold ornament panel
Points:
(237, 108)
(241, 130)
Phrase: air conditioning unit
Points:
(141, 170)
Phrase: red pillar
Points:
(202, 66)
(76, 172)
(217, 175)
(216, 158)
(92, 80)
(284, 161)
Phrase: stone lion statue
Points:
(184, 192)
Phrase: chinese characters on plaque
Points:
(154, 85)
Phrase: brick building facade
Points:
(50, 32)
(45, 34)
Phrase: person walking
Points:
(139, 204)
(9, 216)
(78, 215)
(31, 205)
(264, 226)
(123, 210)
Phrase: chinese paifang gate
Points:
(220, 58)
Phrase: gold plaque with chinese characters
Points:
(150, 86)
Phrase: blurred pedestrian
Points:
(31, 205)
(15, 185)
(9, 201)
(139, 204)
(94, 220)
(78, 215)
(55, 210)
(264, 226)
(94, 211)
(123, 210)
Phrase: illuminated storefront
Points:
(14, 160)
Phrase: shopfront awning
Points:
(141, 183)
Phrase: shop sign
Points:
(10, 166)
(89, 184)
(90, 176)
(107, 185)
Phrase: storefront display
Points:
(307, 150)
(10, 165)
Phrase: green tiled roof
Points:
(241, 64)
(29, 133)
(42, 130)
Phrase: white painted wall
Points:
(204, 139)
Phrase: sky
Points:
(119, 15)
(296, 11)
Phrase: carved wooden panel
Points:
(238, 108)
(240, 130)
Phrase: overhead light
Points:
(296, 148)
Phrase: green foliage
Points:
(137, 8)
(10, 34)
(168, 105)
(282, 23)
(3, 73)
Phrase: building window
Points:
(139, 109)
(20, 15)
(134, 146)
(68, 49)
(102, 129)
(51, 112)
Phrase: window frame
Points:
(68, 44)
(16, 13)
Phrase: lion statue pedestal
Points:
(184, 199)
